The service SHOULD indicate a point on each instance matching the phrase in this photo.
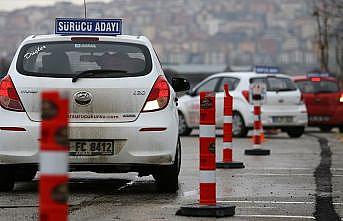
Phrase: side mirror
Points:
(180, 84)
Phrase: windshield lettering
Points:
(28, 55)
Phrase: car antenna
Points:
(85, 6)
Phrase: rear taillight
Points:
(315, 79)
(246, 95)
(9, 98)
(341, 99)
(159, 96)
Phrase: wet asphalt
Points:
(302, 179)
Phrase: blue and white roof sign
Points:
(76, 26)
(267, 70)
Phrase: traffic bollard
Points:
(227, 150)
(257, 141)
(207, 206)
(54, 153)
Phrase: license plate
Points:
(91, 147)
(282, 120)
(319, 118)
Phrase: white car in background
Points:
(284, 107)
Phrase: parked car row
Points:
(289, 106)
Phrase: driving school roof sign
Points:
(266, 70)
(70, 26)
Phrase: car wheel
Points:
(295, 132)
(6, 181)
(167, 177)
(238, 126)
(325, 128)
(341, 129)
(184, 130)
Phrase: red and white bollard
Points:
(54, 154)
(207, 139)
(227, 162)
(207, 206)
(257, 136)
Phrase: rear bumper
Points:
(144, 169)
(335, 118)
(137, 147)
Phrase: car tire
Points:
(6, 181)
(341, 129)
(295, 132)
(238, 125)
(184, 130)
(325, 128)
(167, 177)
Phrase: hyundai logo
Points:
(83, 98)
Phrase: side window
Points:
(209, 85)
(232, 82)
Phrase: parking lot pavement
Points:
(300, 180)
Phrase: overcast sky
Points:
(8, 5)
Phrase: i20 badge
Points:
(83, 98)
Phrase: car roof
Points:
(246, 75)
(57, 37)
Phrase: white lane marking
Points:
(190, 193)
(254, 207)
(268, 202)
(299, 168)
(278, 174)
(277, 216)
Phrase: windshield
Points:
(67, 59)
(277, 83)
(322, 86)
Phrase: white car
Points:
(118, 96)
(284, 107)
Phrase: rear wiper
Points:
(94, 72)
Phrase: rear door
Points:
(116, 95)
(282, 98)
(321, 97)
(281, 92)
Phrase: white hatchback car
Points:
(118, 95)
(284, 107)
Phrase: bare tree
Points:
(329, 18)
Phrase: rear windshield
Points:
(322, 86)
(67, 59)
(277, 83)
